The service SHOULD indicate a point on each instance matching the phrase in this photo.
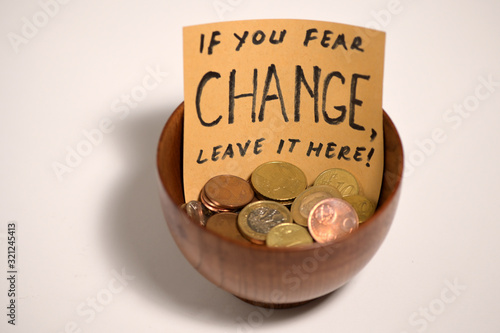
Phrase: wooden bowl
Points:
(274, 277)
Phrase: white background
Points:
(76, 233)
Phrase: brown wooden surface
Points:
(274, 276)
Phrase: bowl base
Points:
(274, 305)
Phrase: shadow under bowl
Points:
(274, 277)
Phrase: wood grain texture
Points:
(274, 277)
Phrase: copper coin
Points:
(228, 192)
(332, 219)
(210, 205)
(224, 224)
(305, 201)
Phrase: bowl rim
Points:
(309, 247)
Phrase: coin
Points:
(224, 224)
(306, 200)
(362, 205)
(256, 219)
(196, 212)
(332, 219)
(280, 181)
(342, 179)
(228, 192)
(287, 203)
(210, 205)
(288, 234)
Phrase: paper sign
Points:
(300, 91)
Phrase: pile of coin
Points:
(277, 209)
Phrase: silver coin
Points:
(263, 219)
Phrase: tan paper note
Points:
(305, 92)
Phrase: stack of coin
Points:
(226, 193)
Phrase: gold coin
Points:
(342, 179)
(224, 224)
(288, 234)
(280, 181)
(363, 207)
(283, 202)
(196, 212)
(332, 219)
(303, 204)
(228, 192)
(256, 219)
